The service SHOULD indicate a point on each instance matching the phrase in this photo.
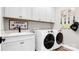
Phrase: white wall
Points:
(1, 20)
(71, 38)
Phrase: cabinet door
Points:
(39, 13)
(27, 13)
(53, 14)
(28, 45)
(11, 48)
(22, 45)
(36, 13)
(13, 12)
(50, 14)
(44, 13)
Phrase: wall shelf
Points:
(12, 18)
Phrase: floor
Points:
(62, 49)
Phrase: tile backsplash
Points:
(31, 25)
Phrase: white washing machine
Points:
(44, 40)
(58, 38)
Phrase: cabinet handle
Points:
(20, 16)
(21, 42)
(3, 40)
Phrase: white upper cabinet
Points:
(18, 12)
(14, 12)
(36, 13)
(44, 14)
(31, 13)
(50, 14)
(27, 13)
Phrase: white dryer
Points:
(58, 38)
(44, 40)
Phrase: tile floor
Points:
(62, 49)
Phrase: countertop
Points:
(15, 33)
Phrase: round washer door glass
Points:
(59, 38)
(49, 41)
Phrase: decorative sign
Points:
(14, 24)
(67, 18)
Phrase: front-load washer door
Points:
(49, 41)
(59, 38)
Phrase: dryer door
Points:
(49, 41)
(59, 38)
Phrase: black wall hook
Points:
(0, 40)
(74, 26)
